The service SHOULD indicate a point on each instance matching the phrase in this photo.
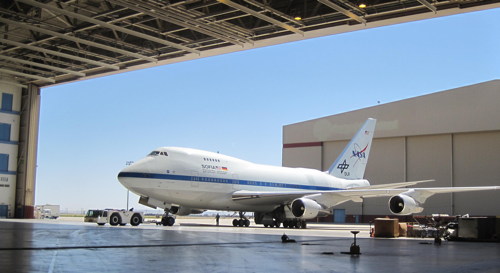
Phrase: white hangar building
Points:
(451, 136)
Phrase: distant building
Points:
(10, 112)
(451, 136)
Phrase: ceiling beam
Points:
(343, 11)
(43, 56)
(26, 69)
(110, 26)
(261, 16)
(176, 17)
(75, 39)
(212, 23)
(60, 54)
(54, 68)
(14, 84)
(428, 5)
(276, 12)
(15, 73)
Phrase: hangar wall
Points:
(451, 136)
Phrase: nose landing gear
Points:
(167, 219)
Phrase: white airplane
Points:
(184, 181)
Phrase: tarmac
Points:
(197, 245)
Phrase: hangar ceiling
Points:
(49, 42)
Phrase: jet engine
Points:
(404, 205)
(183, 211)
(305, 208)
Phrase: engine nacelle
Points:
(404, 205)
(305, 208)
(183, 211)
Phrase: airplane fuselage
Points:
(204, 180)
(184, 181)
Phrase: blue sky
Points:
(238, 103)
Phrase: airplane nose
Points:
(136, 169)
(141, 166)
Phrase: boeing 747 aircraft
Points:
(184, 181)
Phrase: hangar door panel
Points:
(331, 150)
(429, 157)
(386, 164)
(303, 157)
(477, 163)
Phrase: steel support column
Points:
(28, 143)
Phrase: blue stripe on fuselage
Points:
(202, 179)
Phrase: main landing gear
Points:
(278, 217)
(289, 223)
(242, 222)
(167, 219)
(295, 223)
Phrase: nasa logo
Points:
(359, 153)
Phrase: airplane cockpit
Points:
(157, 153)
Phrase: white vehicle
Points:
(114, 217)
(48, 211)
(183, 181)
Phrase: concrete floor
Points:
(194, 245)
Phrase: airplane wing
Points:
(274, 197)
(329, 199)
(396, 185)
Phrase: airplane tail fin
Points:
(351, 163)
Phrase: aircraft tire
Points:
(303, 225)
(115, 219)
(247, 223)
(170, 221)
(241, 222)
(235, 222)
(100, 224)
(135, 220)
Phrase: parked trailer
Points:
(114, 217)
(47, 211)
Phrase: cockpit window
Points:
(156, 153)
